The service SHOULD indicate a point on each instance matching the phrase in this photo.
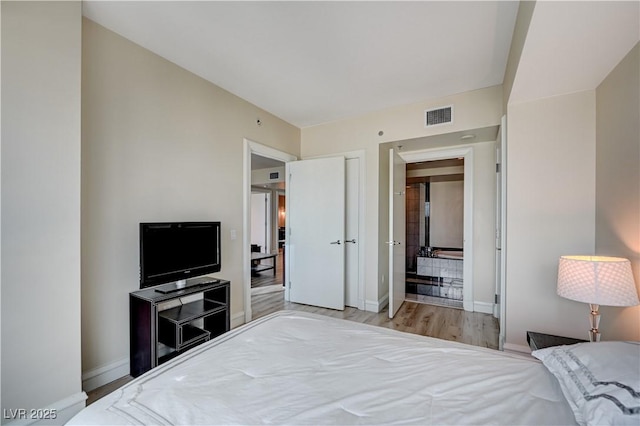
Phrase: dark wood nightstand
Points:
(540, 340)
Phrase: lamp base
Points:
(594, 334)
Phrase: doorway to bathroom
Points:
(402, 155)
(481, 272)
(435, 232)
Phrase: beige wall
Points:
(41, 54)
(158, 144)
(618, 182)
(550, 210)
(472, 110)
(583, 149)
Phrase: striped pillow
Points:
(601, 381)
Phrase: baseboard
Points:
(483, 307)
(237, 320)
(100, 376)
(376, 306)
(62, 410)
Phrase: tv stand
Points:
(164, 324)
(185, 284)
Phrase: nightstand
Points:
(540, 340)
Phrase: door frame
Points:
(252, 147)
(465, 152)
(503, 234)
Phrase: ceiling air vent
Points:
(435, 117)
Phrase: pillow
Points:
(601, 380)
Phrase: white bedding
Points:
(300, 368)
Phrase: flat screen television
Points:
(175, 252)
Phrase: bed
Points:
(301, 368)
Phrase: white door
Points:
(315, 232)
(397, 237)
(352, 243)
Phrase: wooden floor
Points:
(436, 321)
(267, 278)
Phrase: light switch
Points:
(234, 234)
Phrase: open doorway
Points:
(351, 239)
(435, 232)
(260, 157)
(483, 287)
(268, 220)
(466, 154)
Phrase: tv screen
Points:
(174, 251)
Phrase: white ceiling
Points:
(572, 46)
(313, 62)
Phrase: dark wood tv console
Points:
(164, 325)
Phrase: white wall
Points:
(484, 220)
(259, 220)
(41, 63)
(262, 176)
(550, 210)
(446, 214)
(476, 109)
(618, 183)
(158, 144)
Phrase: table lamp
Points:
(597, 280)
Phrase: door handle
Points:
(335, 242)
(393, 243)
(350, 241)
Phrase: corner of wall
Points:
(523, 20)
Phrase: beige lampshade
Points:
(597, 280)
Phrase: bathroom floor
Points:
(433, 291)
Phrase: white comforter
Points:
(300, 368)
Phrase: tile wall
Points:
(440, 268)
(414, 217)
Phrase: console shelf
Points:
(157, 335)
(191, 311)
